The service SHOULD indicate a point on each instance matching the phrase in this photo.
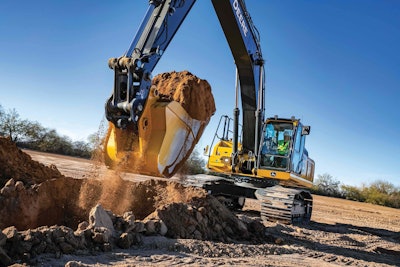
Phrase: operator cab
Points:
(283, 149)
(277, 144)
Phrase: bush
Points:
(352, 193)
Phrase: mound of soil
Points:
(67, 201)
(193, 93)
(18, 165)
(39, 196)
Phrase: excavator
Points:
(255, 158)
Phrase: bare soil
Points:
(341, 233)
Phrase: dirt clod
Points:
(193, 93)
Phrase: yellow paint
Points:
(166, 137)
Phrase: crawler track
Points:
(285, 205)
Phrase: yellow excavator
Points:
(152, 132)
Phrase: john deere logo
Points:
(273, 174)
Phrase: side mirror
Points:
(305, 130)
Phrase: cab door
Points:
(297, 152)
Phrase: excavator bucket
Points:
(167, 131)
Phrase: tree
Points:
(81, 149)
(11, 125)
(34, 133)
(194, 164)
(383, 187)
(327, 185)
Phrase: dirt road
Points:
(342, 233)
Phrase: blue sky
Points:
(334, 64)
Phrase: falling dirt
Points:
(193, 93)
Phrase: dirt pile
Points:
(105, 231)
(193, 93)
(152, 207)
(188, 212)
(67, 201)
(18, 165)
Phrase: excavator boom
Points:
(244, 42)
(154, 124)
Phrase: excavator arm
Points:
(152, 135)
(133, 70)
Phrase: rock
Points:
(51, 247)
(81, 240)
(163, 228)
(10, 183)
(137, 239)
(242, 226)
(191, 228)
(39, 248)
(150, 227)
(197, 235)
(199, 217)
(202, 210)
(82, 226)
(57, 233)
(155, 226)
(32, 236)
(83, 230)
(106, 247)
(11, 233)
(19, 186)
(98, 217)
(257, 228)
(101, 235)
(66, 248)
(71, 239)
(217, 227)
(129, 217)
(125, 240)
(139, 227)
(6, 191)
(5, 260)
(24, 247)
(3, 239)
